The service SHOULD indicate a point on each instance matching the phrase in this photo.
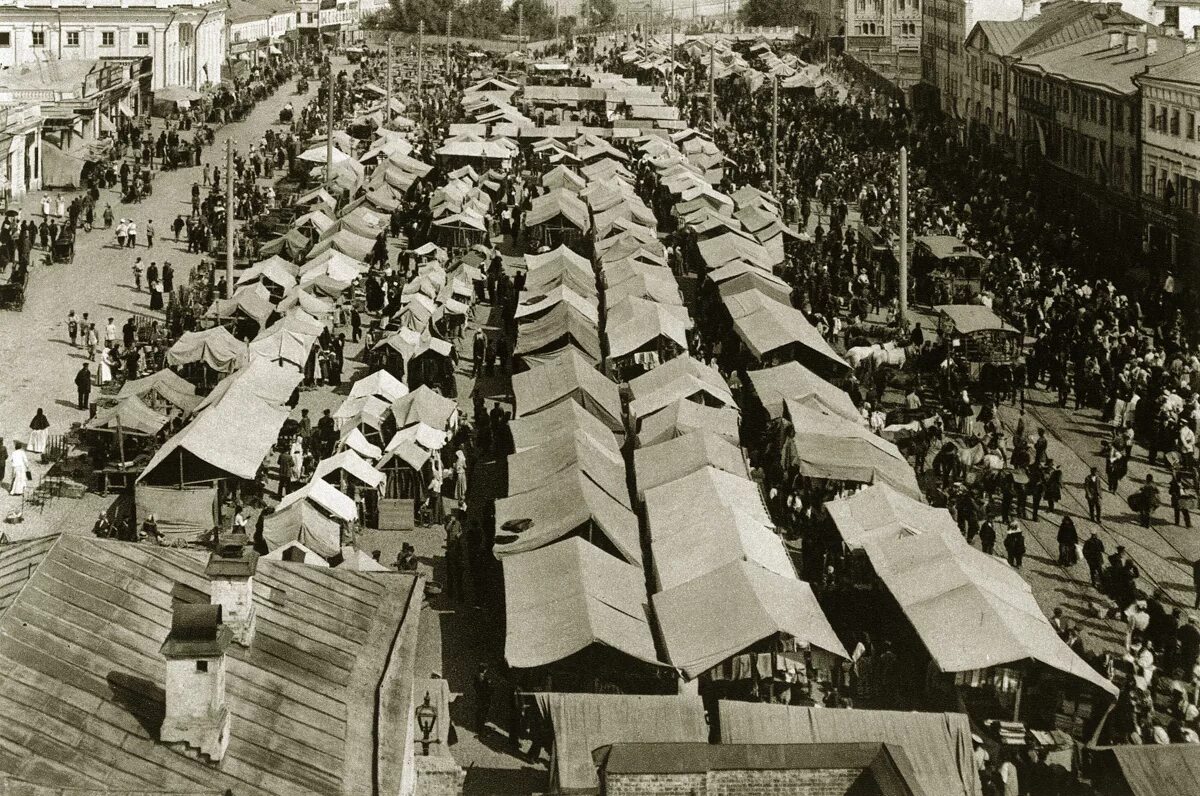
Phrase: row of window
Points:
(945, 13)
(1086, 105)
(899, 5)
(936, 41)
(1184, 192)
(108, 38)
(1170, 122)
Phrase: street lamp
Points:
(426, 719)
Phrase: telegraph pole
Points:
(449, 21)
(555, 22)
(521, 26)
(712, 88)
(420, 60)
(229, 217)
(903, 301)
(671, 93)
(329, 127)
(775, 137)
(387, 105)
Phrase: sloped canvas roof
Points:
(324, 495)
(686, 365)
(755, 604)
(683, 416)
(685, 387)
(532, 430)
(563, 598)
(353, 439)
(793, 381)
(636, 322)
(561, 506)
(686, 501)
(168, 385)
(720, 537)
(283, 346)
(354, 465)
(568, 377)
(532, 304)
(131, 415)
(971, 610)
(275, 269)
(529, 469)
(559, 202)
(215, 347)
(674, 459)
(423, 405)
(1150, 769)
(765, 325)
(303, 522)
(585, 722)
(938, 745)
(826, 445)
(381, 384)
(880, 512)
(560, 326)
(969, 318)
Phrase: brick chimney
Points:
(230, 573)
(197, 719)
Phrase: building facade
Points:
(1170, 160)
(993, 47)
(885, 37)
(259, 29)
(944, 28)
(185, 39)
(20, 148)
(1080, 121)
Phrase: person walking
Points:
(1093, 554)
(18, 467)
(83, 385)
(72, 328)
(150, 234)
(131, 234)
(1014, 545)
(1181, 499)
(1091, 491)
(483, 697)
(137, 274)
(1147, 500)
(1068, 537)
(39, 433)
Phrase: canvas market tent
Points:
(351, 464)
(423, 405)
(305, 523)
(636, 324)
(676, 458)
(720, 537)
(880, 512)
(938, 745)
(565, 597)
(569, 504)
(756, 604)
(686, 501)
(683, 416)
(793, 381)
(767, 327)
(584, 722)
(971, 610)
(163, 389)
(568, 416)
(826, 445)
(216, 347)
(569, 377)
(676, 369)
(274, 269)
(530, 469)
(560, 328)
(381, 384)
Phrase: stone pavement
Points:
(39, 363)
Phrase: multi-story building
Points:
(1079, 120)
(885, 36)
(20, 148)
(257, 26)
(992, 47)
(944, 28)
(1170, 162)
(185, 39)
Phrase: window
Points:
(39, 38)
(5, 38)
(1103, 111)
(202, 666)
(107, 38)
(72, 38)
(1175, 122)
(143, 38)
(1191, 125)
(1153, 117)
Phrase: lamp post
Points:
(427, 716)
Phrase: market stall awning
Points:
(971, 610)
(568, 377)
(880, 512)
(683, 416)
(130, 416)
(765, 326)
(567, 417)
(793, 381)
(565, 597)
(215, 347)
(531, 468)
(754, 604)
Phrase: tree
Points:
(538, 19)
(602, 13)
(774, 12)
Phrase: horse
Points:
(888, 354)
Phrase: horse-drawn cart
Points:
(945, 269)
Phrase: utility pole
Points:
(387, 105)
(329, 127)
(671, 92)
(420, 60)
(903, 301)
(712, 88)
(229, 217)
(449, 22)
(556, 22)
(775, 137)
(521, 26)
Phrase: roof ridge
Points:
(57, 537)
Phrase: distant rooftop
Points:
(1092, 61)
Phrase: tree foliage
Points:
(774, 12)
(603, 13)
(486, 19)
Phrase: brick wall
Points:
(809, 782)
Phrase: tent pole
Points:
(228, 218)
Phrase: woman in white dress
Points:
(104, 371)
(297, 454)
(18, 465)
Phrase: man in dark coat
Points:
(83, 383)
